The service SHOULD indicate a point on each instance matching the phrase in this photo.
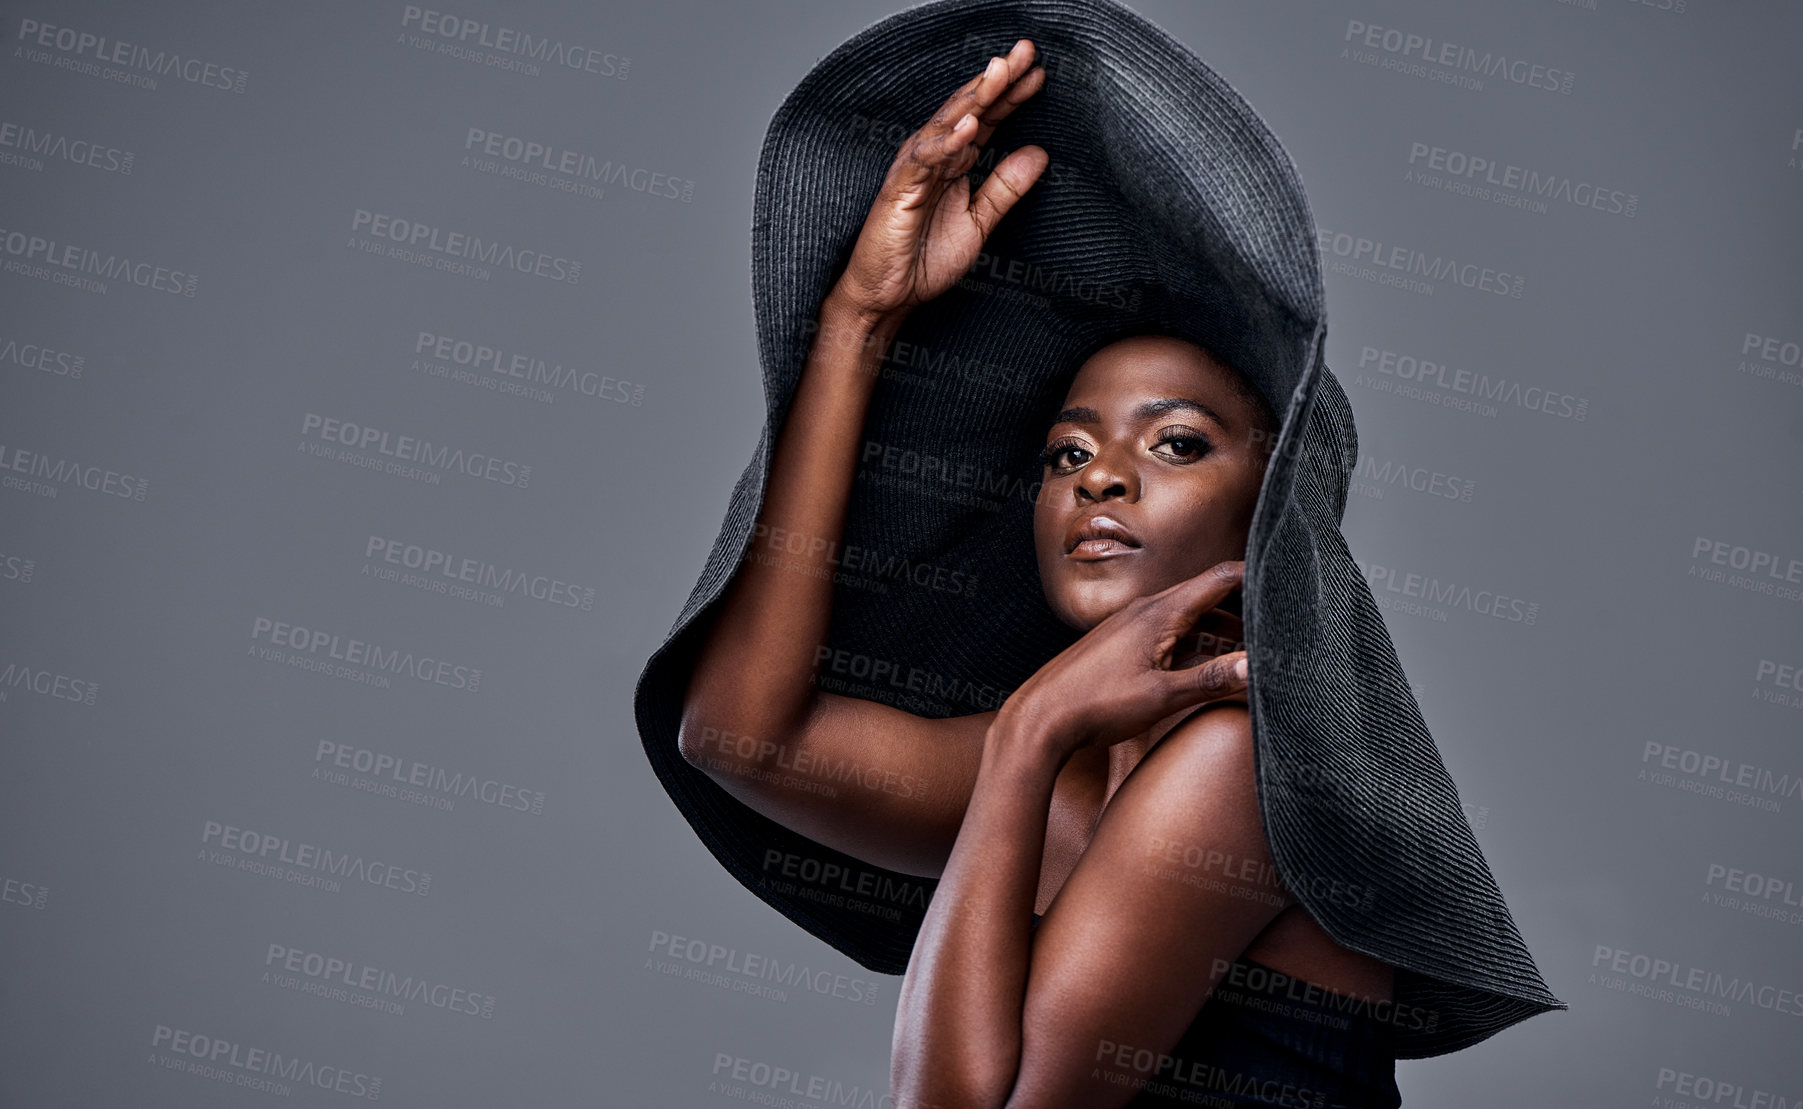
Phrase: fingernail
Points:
(1239, 669)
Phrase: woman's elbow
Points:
(721, 735)
(703, 739)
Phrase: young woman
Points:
(1082, 797)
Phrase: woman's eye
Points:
(1185, 446)
(1056, 455)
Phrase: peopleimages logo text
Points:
(78, 47)
(1402, 259)
(461, 31)
(1480, 170)
(87, 261)
(408, 448)
(309, 856)
(1463, 59)
(30, 142)
(459, 244)
(212, 1055)
(359, 652)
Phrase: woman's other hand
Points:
(925, 229)
(1160, 654)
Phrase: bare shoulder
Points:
(1155, 911)
(1181, 838)
(1212, 740)
(1227, 851)
(1193, 801)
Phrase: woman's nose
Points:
(1107, 476)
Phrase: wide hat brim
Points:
(1167, 205)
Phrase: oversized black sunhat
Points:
(1167, 206)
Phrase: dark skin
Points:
(1085, 794)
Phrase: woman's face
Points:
(1156, 446)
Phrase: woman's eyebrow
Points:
(1146, 411)
(1177, 404)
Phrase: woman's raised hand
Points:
(1134, 669)
(925, 228)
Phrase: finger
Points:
(997, 82)
(968, 99)
(1017, 93)
(1006, 184)
(938, 150)
(1214, 680)
(984, 95)
(1184, 603)
(923, 164)
(1004, 107)
(943, 146)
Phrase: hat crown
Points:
(1167, 202)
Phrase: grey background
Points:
(119, 918)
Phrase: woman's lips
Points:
(1099, 536)
(1090, 550)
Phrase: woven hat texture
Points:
(1167, 206)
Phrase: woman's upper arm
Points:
(1148, 921)
(878, 783)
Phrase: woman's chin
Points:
(1083, 605)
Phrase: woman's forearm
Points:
(753, 672)
(924, 230)
(958, 1023)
